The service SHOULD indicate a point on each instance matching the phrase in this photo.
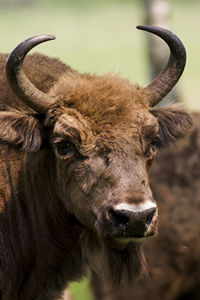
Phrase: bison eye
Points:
(66, 148)
(155, 143)
(152, 147)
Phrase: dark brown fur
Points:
(173, 256)
(51, 227)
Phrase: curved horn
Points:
(17, 79)
(167, 78)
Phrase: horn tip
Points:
(147, 27)
(52, 37)
(141, 27)
(47, 37)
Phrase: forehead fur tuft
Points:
(100, 97)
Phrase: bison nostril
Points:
(118, 217)
(150, 216)
(130, 222)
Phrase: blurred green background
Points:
(99, 36)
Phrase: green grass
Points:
(80, 290)
(99, 38)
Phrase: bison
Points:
(173, 256)
(75, 153)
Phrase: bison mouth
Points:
(121, 242)
(121, 238)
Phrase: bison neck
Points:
(39, 249)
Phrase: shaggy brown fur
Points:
(61, 172)
(173, 256)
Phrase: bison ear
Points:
(20, 129)
(174, 123)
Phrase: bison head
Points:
(102, 134)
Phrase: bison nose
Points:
(131, 222)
